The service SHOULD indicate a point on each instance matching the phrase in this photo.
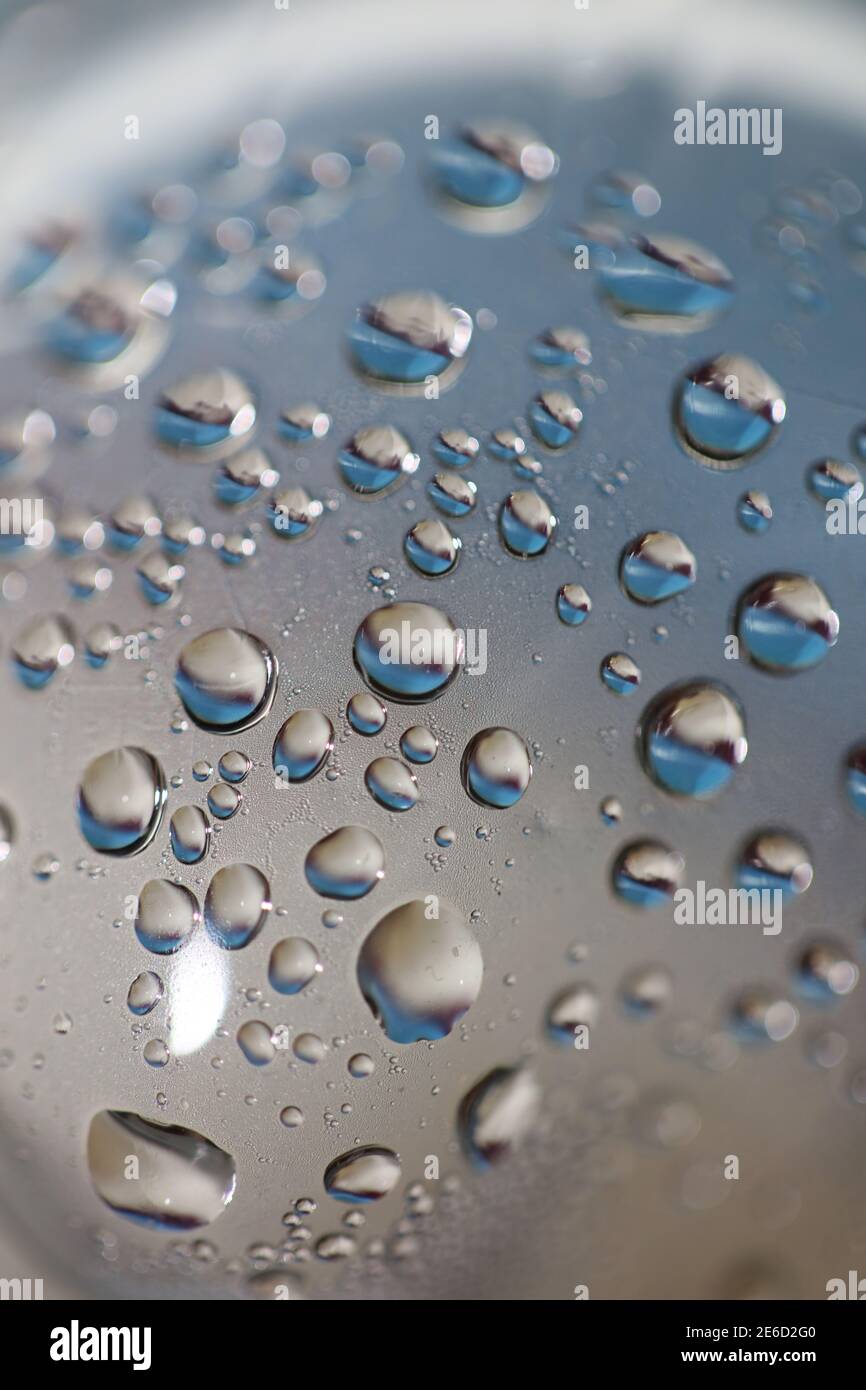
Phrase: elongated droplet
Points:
(182, 1180)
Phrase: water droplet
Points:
(156, 1053)
(236, 905)
(293, 514)
(456, 447)
(431, 548)
(144, 993)
(184, 1180)
(620, 674)
(133, 519)
(168, 914)
(390, 782)
(855, 778)
(41, 648)
(555, 418)
(100, 642)
(366, 714)
(727, 409)
(496, 767)
(420, 973)
(625, 192)
(308, 1047)
(656, 566)
(223, 800)
(301, 423)
(346, 864)
(498, 1114)
(159, 578)
(572, 1008)
(526, 523)
(202, 770)
(573, 604)
(226, 679)
(365, 1174)
(785, 623)
(376, 460)
(205, 410)
(775, 861)
(826, 971)
(291, 1117)
(120, 800)
(45, 866)
(234, 765)
(303, 745)
(647, 873)
(418, 744)
(445, 837)
(409, 336)
(492, 176)
(506, 444)
(692, 739)
(665, 284)
(361, 1066)
(408, 652)
(611, 810)
(255, 1042)
(754, 512)
(238, 479)
(293, 963)
(760, 1015)
(7, 833)
(453, 494)
(645, 989)
(834, 478)
(561, 349)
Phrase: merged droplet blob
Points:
(786, 623)
(727, 409)
(346, 864)
(183, 1180)
(656, 566)
(120, 800)
(496, 767)
(420, 970)
(408, 652)
(692, 738)
(226, 679)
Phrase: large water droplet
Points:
(573, 604)
(409, 652)
(43, 647)
(363, 1175)
(496, 767)
(168, 914)
(692, 738)
(346, 864)
(144, 993)
(656, 566)
(555, 418)
(420, 973)
(120, 800)
(526, 523)
(418, 744)
(431, 549)
(303, 744)
(727, 409)
(409, 336)
(666, 284)
(754, 512)
(376, 460)
(572, 1008)
(390, 782)
(454, 495)
(190, 834)
(366, 714)
(456, 447)
(294, 962)
(226, 679)
(236, 905)
(182, 1179)
(647, 873)
(561, 349)
(785, 622)
(204, 410)
(772, 861)
(498, 1114)
(620, 673)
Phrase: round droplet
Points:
(300, 423)
(453, 494)
(409, 336)
(236, 905)
(291, 1117)
(555, 418)
(692, 739)
(294, 962)
(785, 623)
(289, 280)
(190, 834)
(526, 523)
(775, 861)
(43, 647)
(656, 566)
(496, 767)
(308, 1047)
(727, 409)
(625, 191)
(376, 460)
(759, 1014)
(133, 519)
(491, 175)
(611, 810)
(346, 864)
(834, 479)
(223, 800)
(506, 444)
(390, 782)
(498, 1114)
(95, 326)
(361, 1066)
(303, 745)
(226, 679)
(120, 800)
(408, 652)
(184, 1180)
(160, 579)
(144, 993)
(364, 1174)
(240, 478)
(101, 641)
(202, 770)
(445, 837)
(645, 989)
(431, 549)
(647, 873)
(420, 973)
(418, 744)
(754, 512)
(456, 447)
(573, 1008)
(665, 284)
(255, 1042)
(561, 349)
(205, 410)
(826, 971)
(293, 514)
(366, 714)
(620, 674)
(156, 1053)
(573, 604)
(168, 914)
(234, 765)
